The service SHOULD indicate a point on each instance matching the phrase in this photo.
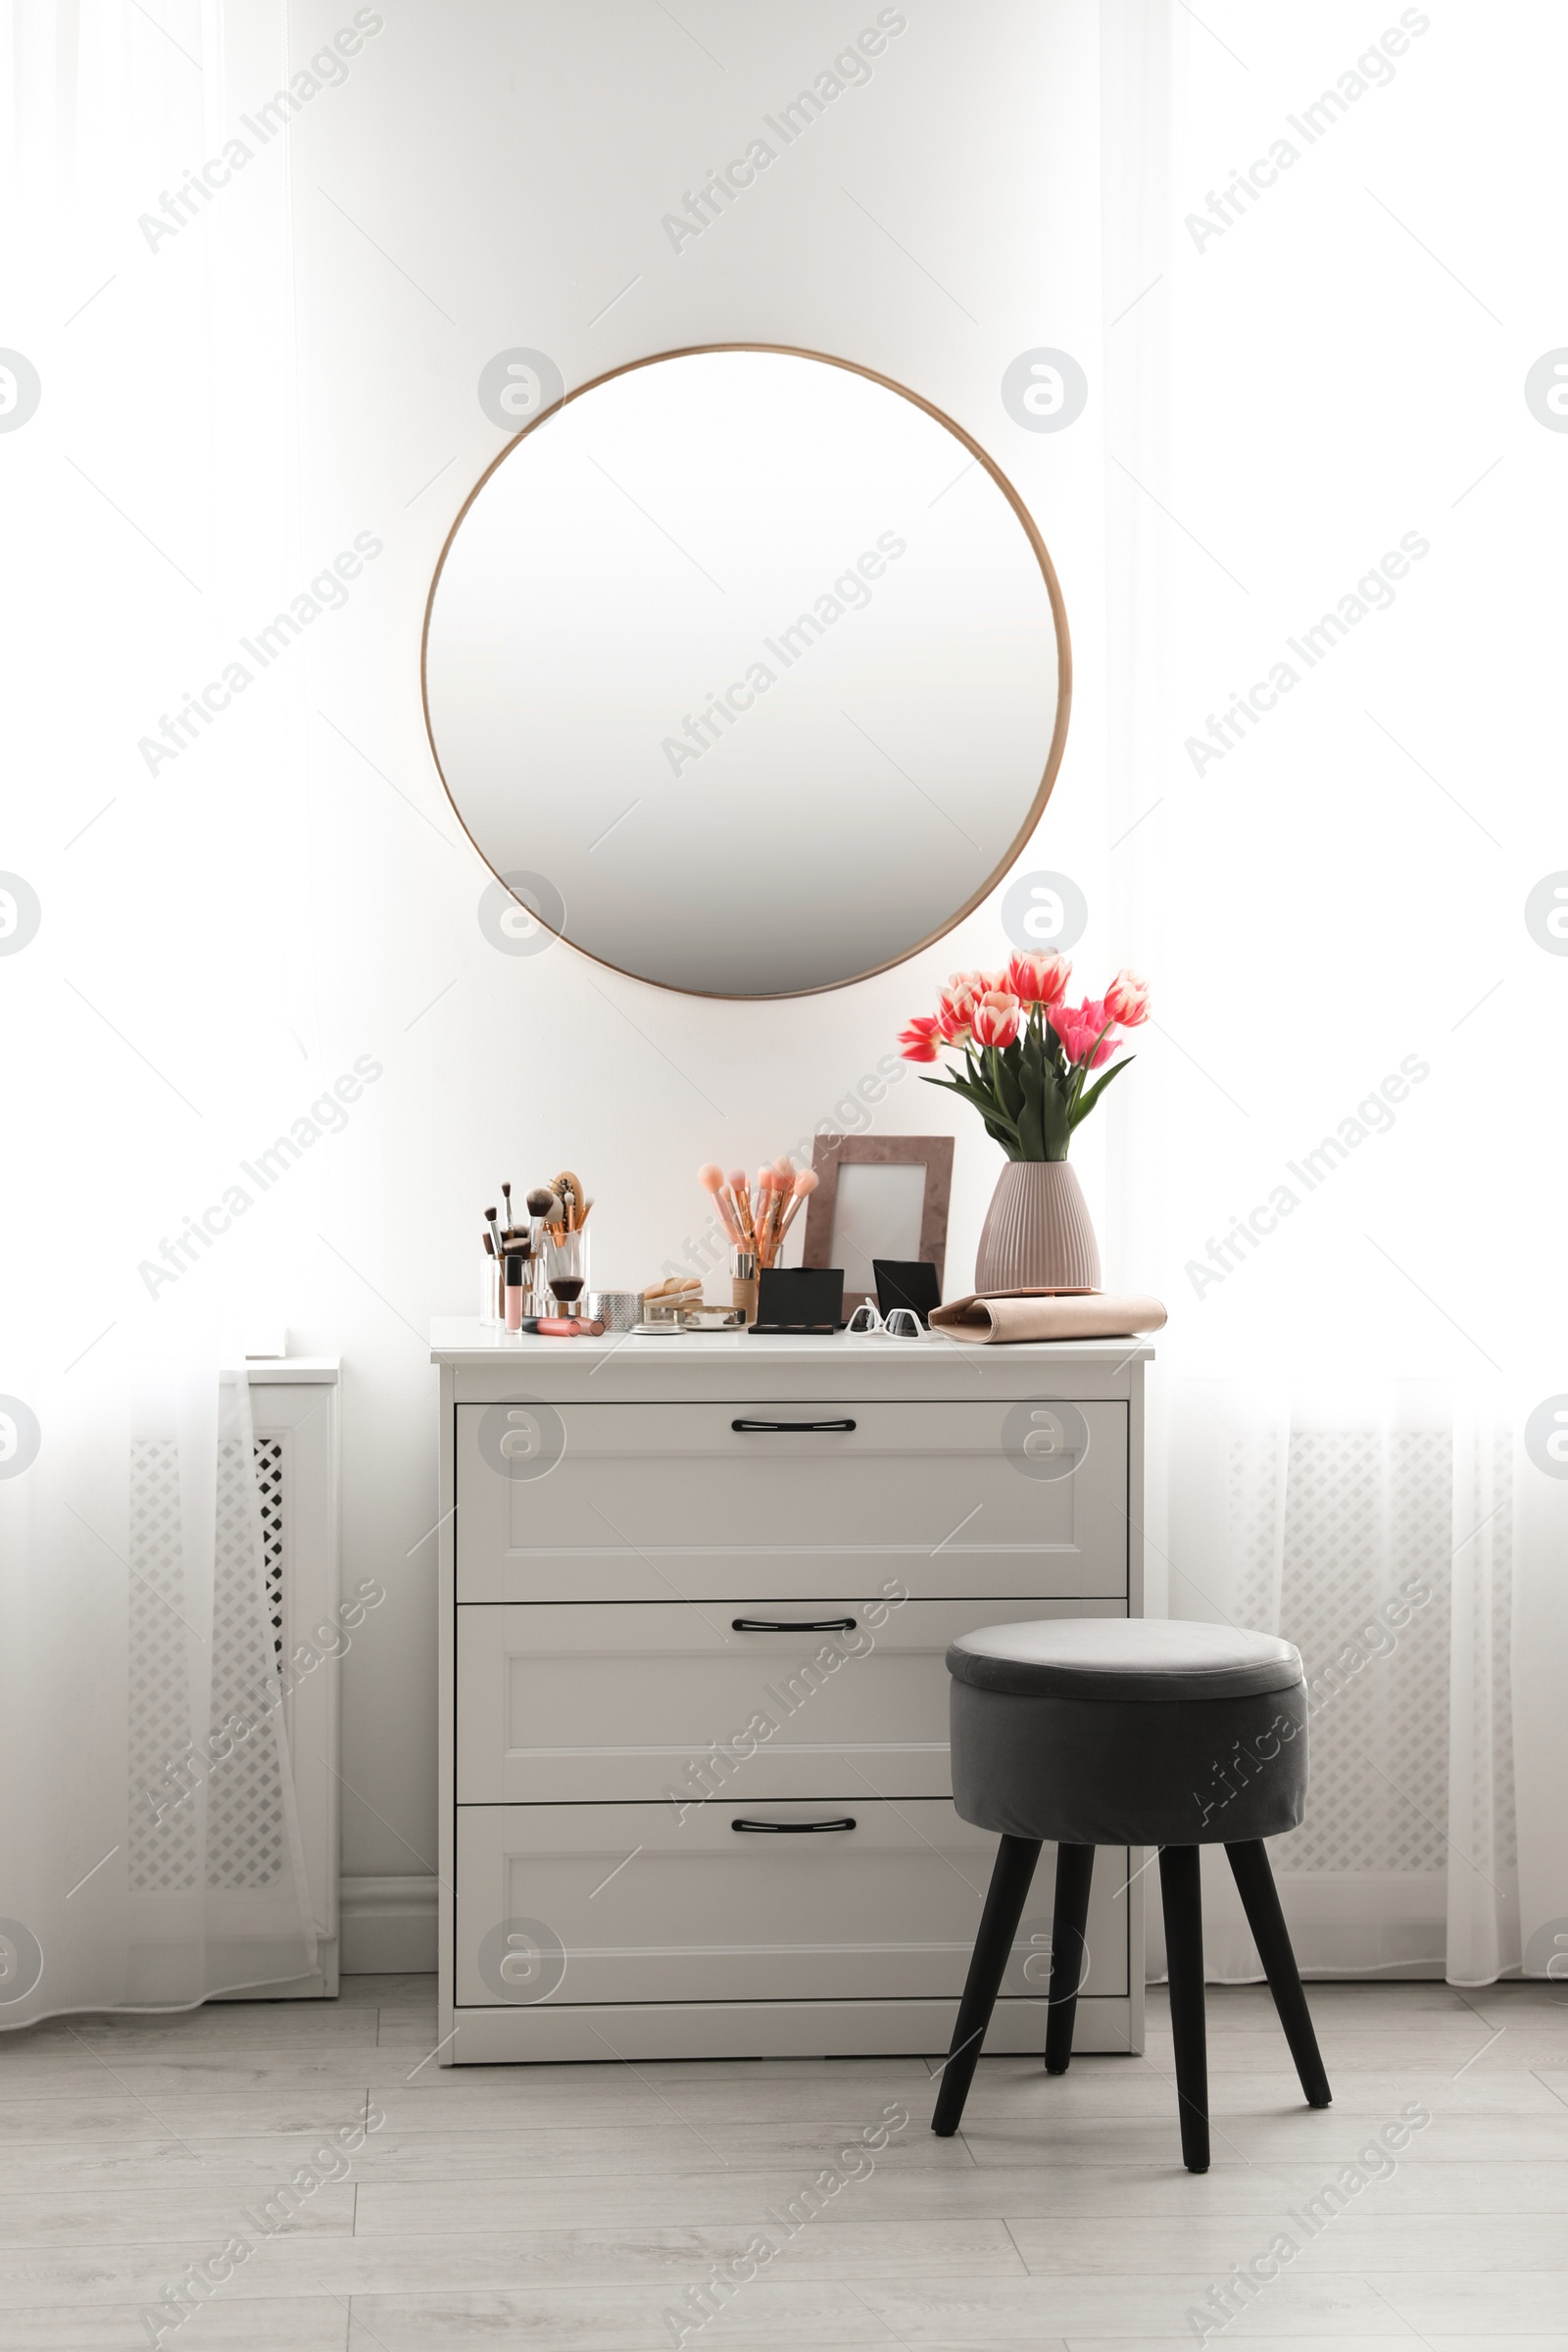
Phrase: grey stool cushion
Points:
(1128, 1731)
(1140, 1659)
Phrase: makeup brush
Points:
(712, 1180)
(543, 1207)
(495, 1232)
(489, 1245)
(805, 1183)
(743, 1204)
(506, 1194)
(766, 1186)
(784, 1180)
(776, 1222)
(570, 1189)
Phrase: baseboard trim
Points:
(1104, 2022)
(387, 1924)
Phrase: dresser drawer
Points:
(562, 1702)
(662, 1502)
(601, 1903)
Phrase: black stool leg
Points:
(999, 1924)
(1180, 1888)
(1075, 1868)
(1260, 1901)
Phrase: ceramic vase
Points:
(1037, 1231)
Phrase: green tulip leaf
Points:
(1086, 1104)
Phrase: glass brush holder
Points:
(566, 1272)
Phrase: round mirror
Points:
(745, 670)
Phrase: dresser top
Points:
(464, 1340)
(487, 1361)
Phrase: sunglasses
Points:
(900, 1323)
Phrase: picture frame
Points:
(854, 1217)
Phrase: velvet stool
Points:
(1115, 1731)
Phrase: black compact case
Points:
(798, 1298)
(906, 1282)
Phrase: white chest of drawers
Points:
(695, 1595)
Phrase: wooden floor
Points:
(572, 2208)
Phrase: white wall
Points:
(292, 892)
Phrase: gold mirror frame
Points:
(1058, 615)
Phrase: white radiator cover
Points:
(1326, 1523)
(294, 1412)
(1345, 1551)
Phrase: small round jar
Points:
(617, 1310)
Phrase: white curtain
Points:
(1378, 1530)
(1336, 1158)
(148, 1850)
(151, 1853)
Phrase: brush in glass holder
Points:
(567, 1271)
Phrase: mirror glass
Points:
(744, 672)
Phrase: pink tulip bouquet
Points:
(1028, 1055)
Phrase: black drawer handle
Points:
(794, 1829)
(776, 1425)
(787, 1625)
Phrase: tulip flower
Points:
(995, 1018)
(954, 1007)
(1127, 999)
(919, 1042)
(1079, 1026)
(1039, 979)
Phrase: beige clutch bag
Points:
(1049, 1314)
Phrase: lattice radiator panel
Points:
(176, 1782)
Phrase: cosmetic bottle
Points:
(540, 1301)
(514, 1293)
(743, 1282)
